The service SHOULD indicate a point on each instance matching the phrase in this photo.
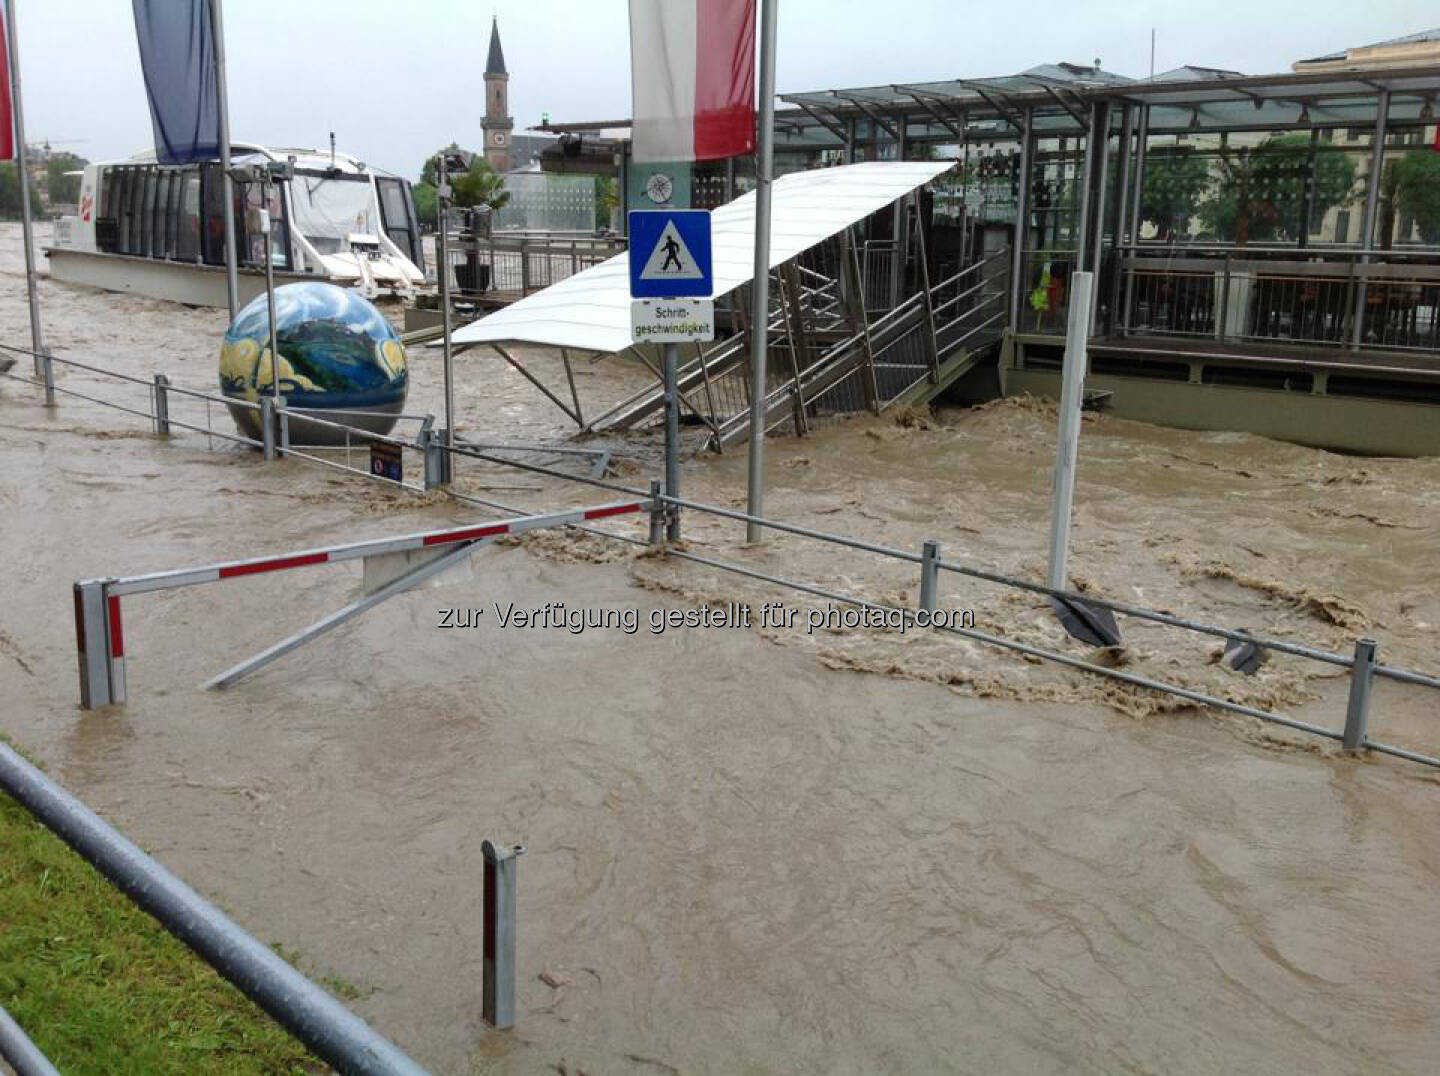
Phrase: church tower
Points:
(497, 123)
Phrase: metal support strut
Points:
(498, 995)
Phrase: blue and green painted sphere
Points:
(338, 354)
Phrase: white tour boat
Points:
(159, 230)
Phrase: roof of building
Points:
(1409, 39)
(495, 62)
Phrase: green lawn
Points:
(102, 988)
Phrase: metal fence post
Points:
(1357, 713)
(657, 513)
(162, 405)
(929, 573)
(100, 645)
(498, 999)
(267, 426)
(47, 368)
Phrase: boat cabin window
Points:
(397, 209)
(327, 208)
(147, 214)
(187, 242)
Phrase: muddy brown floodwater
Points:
(760, 850)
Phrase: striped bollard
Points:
(100, 641)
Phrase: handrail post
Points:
(1357, 713)
(929, 574)
(162, 405)
(498, 989)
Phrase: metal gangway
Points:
(831, 357)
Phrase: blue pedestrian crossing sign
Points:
(670, 254)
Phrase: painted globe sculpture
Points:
(339, 358)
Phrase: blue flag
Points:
(177, 55)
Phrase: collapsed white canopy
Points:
(591, 310)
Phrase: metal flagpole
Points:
(442, 214)
(222, 103)
(1067, 440)
(760, 288)
(12, 46)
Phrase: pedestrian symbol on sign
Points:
(671, 258)
(670, 254)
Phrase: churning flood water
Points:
(758, 850)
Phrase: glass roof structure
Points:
(1058, 98)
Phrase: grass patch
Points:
(102, 988)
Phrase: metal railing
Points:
(1341, 299)
(510, 265)
(334, 1033)
(1361, 663)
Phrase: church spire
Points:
(495, 62)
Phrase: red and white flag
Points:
(7, 118)
(692, 73)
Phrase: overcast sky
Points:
(397, 80)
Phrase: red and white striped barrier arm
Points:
(184, 577)
(100, 638)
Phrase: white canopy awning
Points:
(591, 310)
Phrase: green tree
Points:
(63, 189)
(1174, 181)
(10, 206)
(426, 204)
(1415, 180)
(481, 186)
(1261, 190)
(607, 197)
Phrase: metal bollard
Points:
(437, 460)
(498, 997)
(162, 405)
(284, 417)
(1357, 713)
(929, 574)
(657, 513)
(267, 426)
(100, 643)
